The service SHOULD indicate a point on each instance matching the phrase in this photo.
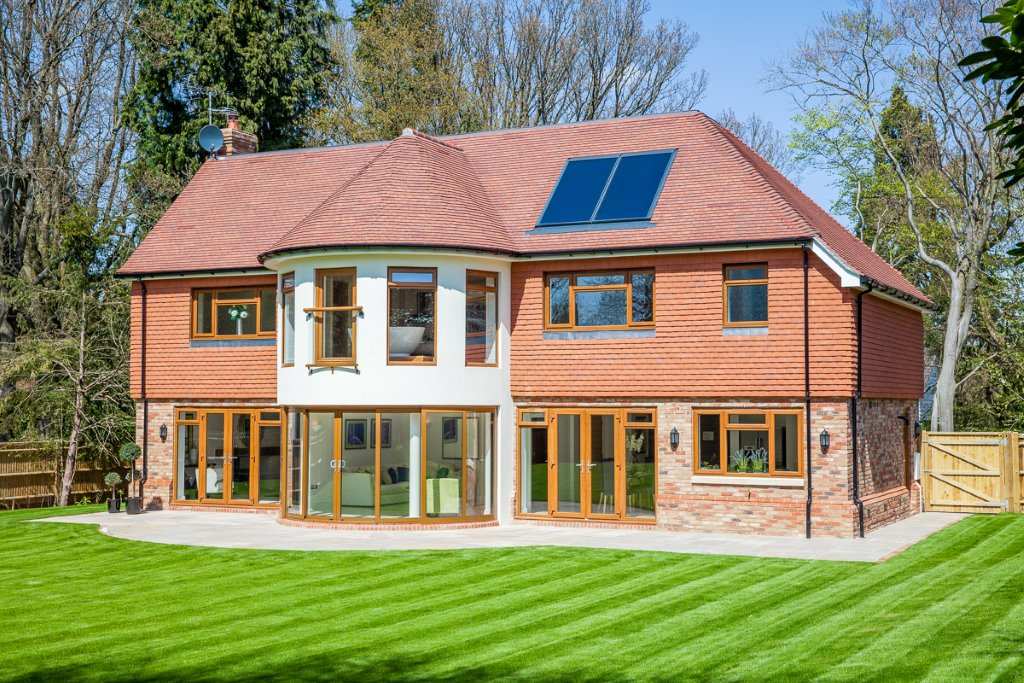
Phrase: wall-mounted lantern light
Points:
(673, 438)
(825, 439)
(163, 432)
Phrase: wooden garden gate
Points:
(980, 472)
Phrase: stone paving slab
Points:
(249, 530)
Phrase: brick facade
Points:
(158, 491)
(686, 505)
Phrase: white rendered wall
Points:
(374, 383)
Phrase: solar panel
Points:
(609, 189)
(575, 196)
(634, 187)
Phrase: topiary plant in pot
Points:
(128, 454)
(112, 479)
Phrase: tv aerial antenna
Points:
(210, 137)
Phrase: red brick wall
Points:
(893, 350)
(159, 486)
(690, 355)
(883, 444)
(176, 368)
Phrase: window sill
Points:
(599, 334)
(726, 480)
(231, 343)
(758, 331)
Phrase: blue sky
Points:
(738, 39)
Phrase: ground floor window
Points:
(748, 442)
(386, 465)
(594, 463)
(228, 455)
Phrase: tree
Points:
(843, 74)
(450, 66)
(764, 138)
(267, 59)
(65, 67)
(1002, 59)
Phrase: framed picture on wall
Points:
(355, 434)
(385, 434)
(450, 435)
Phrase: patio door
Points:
(586, 458)
(240, 457)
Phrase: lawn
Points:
(77, 605)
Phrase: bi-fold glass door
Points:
(587, 463)
(229, 456)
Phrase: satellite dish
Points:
(210, 138)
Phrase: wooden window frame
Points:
(574, 288)
(257, 302)
(413, 360)
(200, 421)
(727, 284)
(318, 312)
(723, 440)
(497, 313)
(550, 414)
(337, 518)
(285, 289)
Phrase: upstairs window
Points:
(236, 313)
(334, 333)
(412, 309)
(481, 318)
(288, 319)
(745, 295)
(600, 300)
(607, 189)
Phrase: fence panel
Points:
(28, 475)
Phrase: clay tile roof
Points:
(418, 191)
(485, 191)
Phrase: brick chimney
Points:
(236, 141)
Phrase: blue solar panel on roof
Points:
(609, 189)
(633, 188)
(577, 191)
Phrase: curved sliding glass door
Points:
(392, 466)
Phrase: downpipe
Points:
(145, 403)
(807, 391)
(855, 410)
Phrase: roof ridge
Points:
(744, 151)
(412, 132)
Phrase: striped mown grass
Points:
(77, 605)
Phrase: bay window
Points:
(481, 318)
(334, 333)
(288, 319)
(412, 309)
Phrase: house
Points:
(626, 322)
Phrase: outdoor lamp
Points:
(163, 432)
(825, 439)
(673, 438)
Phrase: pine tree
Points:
(267, 59)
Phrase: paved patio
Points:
(246, 530)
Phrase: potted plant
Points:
(128, 454)
(112, 480)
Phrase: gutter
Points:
(807, 391)
(855, 409)
(145, 402)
